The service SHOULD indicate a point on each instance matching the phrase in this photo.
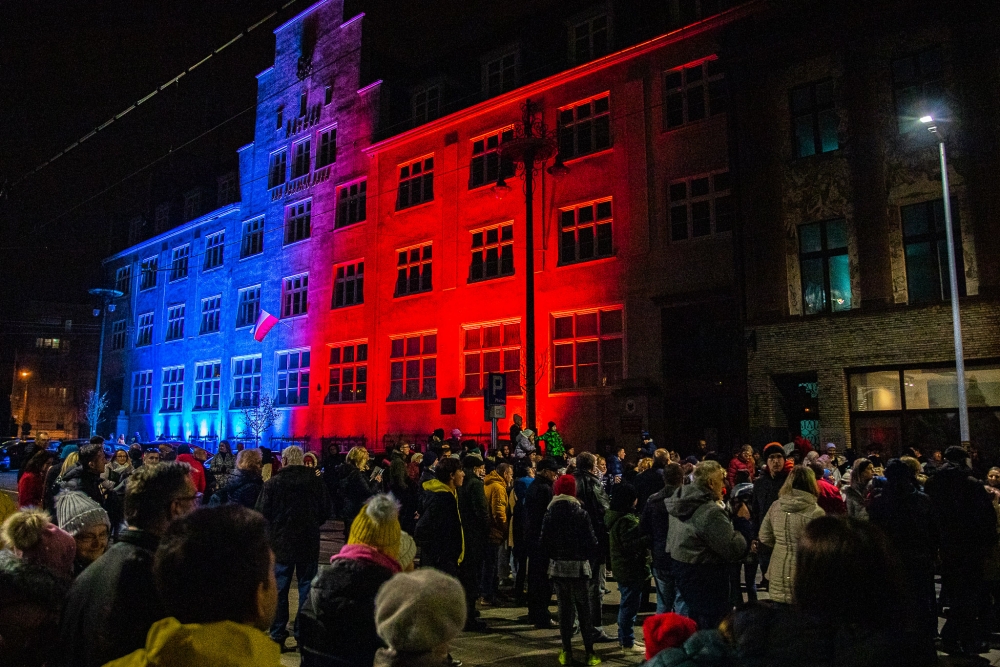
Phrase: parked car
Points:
(12, 453)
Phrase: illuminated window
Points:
(301, 158)
(248, 300)
(118, 335)
(207, 378)
(246, 381)
(211, 314)
(215, 247)
(276, 169)
(492, 252)
(172, 389)
(693, 92)
(926, 247)
(416, 183)
(413, 270)
(426, 104)
(294, 295)
(144, 332)
(826, 274)
(142, 391)
(487, 164)
(293, 377)
(413, 367)
(147, 272)
(179, 262)
(590, 39)
(348, 373)
(123, 279)
(700, 206)
(585, 127)
(175, 322)
(227, 191)
(47, 343)
(500, 74)
(492, 348)
(587, 349)
(585, 232)
(918, 87)
(327, 147)
(348, 285)
(352, 204)
(297, 221)
(814, 119)
(253, 238)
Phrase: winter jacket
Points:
(857, 504)
(295, 503)
(553, 443)
(593, 498)
(646, 484)
(341, 605)
(765, 492)
(223, 644)
(783, 526)
(737, 465)
(707, 648)
(99, 490)
(243, 488)
(475, 517)
(629, 547)
(700, 530)
(354, 488)
(115, 473)
(30, 490)
(112, 604)
(498, 504)
(615, 467)
(830, 499)
(536, 504)
(907, 518)
(566, 531)
(222, 466)
(52, 487)
(655, 522)
(523, 446)
(964, 511)
(197, 471)
(439, 529)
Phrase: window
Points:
(192, 205)
(413, 367)
(147, 270)
(293, 378)
(492, 252)
(585, 128)
(348, 373)
(327, 147)
(413, 270)
(492, 348)
(587, 349)
(211, 312)
(693, 92)
(297, 220)
(685, 12)
(172, 388)
(47, 343)
(300, 158)
(585, 232)
(926, 247)
(175, 322)
(227, 192)
(207, 378)
(123, 279)
(426, 104)
(179, 262)
(918, 86)
(248, 299)
(303, 103)
(826, 275)
(590, 39)
(253, 238)
(144, 332)
(416, 183)
(162, 217)
(500, 75)
(276, 169)
(700, 206)
(294, 295)
(118, 335)
(142, 391)
(814, 119)
(215, 246)
(327, 95)
(349, 285)
(279, 118)
(352, 204)
(487, 164)
(246, 381)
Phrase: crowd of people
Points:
(170, 556)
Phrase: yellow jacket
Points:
(224, 644)
(498, 502)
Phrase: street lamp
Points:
(530, 147)
(24, 404)
(107, 297)
(963, 404)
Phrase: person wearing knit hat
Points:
(765, 493)
(342, 597)
(87, 522)
(32, 535)
(407, 552)
(663, 631)
(418, 614)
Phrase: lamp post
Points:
(24, 404)
(530, 147)
(963, 404)
(107, 297)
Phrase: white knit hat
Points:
(76, 512)
(418, 611)
(407, 550)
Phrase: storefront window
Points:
(876, 390)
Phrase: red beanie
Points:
(663, 631)
(565, 485)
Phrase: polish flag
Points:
(265, 322)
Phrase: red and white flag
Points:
(265, 322)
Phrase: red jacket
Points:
(829, 498)
(737, 465)
(30, 490)
(197, 471)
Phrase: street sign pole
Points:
(494, 403)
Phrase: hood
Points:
(437, 486)
(611, 517)
(796, 501)
(564, 498)
(495, 478)
(684, 502)
(368, 554)
(225, 644)
(190, 460)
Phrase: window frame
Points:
(595, 222)
(142, 391)
(301, 157)
(576, 339)
(172, 391)
(144, 329)
(240, 376)
(298, 222)
(814, 111)
(326, 153)
(408, 178)
(253, 238)
(425, 257)
(123, 279)
(175, 322)
(352, 203)
(148, 269)
(215, 250)
(824, 254)
(431, 109)
(180, 259)
(404, 359)
(242, 306)
(690, 200)
(356, 364)
(277, 160)
(119, 334)
(936, 237)
(211, 318)
(513, 69)
(301, 386)
(501, 245)
(713, 87)
(213, 383)
(355, 282)
(295, 296)
(925, 82)
(513, 389)
(486, 164)
(571, 128)
(592, 52)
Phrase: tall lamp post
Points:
(530, 147)
(24, 405)
(963, 403)
(107, 297)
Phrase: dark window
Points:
(585, 128)
(693, 92)
(276, 169)
(492, 348)
(142, 391)
(118, 335)
(826, 274)
(487, 164)
(279, 117)
(926, 247)
(413, 367)
(348, 373)
(700, 206)
(147, 269)
(349, 284)
(413, 270)
(918, 86)
(248, 307)
(175, 322)
(123, 279)
(144, 332)
(416, 183)
(352, 204)
(492, 253)
(297, 219)
(814, 119)
(500, 75)
(587, 349)
(327, 95)
(295, 295)
(590, 39)
(179, 262)
(585, 232)
(253, 238)
(211, 313)
(300, 161)
(215, 246)
(303, 103)
(327, 148)
(426, 104)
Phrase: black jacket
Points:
(475, 517)
(295, 503)
(337, 623)
(654, 522)
(51, 488)
(536, 504)
(765, 492)
(591, 495)
(243, 488)
(353, 490)
(439, 530)
(646, 484)
(908, 520)
(964, 511)
(112, 604)
(567, 533)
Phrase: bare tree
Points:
(94, 406)
(259, 417)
